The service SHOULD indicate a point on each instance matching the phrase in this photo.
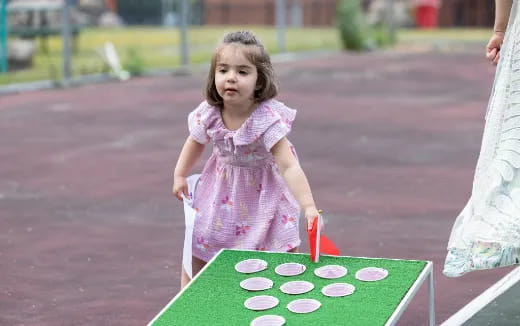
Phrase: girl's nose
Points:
(232, 77)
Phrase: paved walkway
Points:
(89, 234)
(503, 311)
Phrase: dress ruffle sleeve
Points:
(200, 120)
(282, 117)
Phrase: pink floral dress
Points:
(241, 199)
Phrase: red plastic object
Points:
(426, 16)
(327, 247)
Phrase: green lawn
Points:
(158, 47)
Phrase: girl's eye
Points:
(243, 72)
(222, 71)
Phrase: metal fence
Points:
(108, 35)
(57, 40)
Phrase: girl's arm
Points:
(502, 11)
(190, 154)
(295, 178)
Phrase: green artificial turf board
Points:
(216, 298)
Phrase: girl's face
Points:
(235, 76)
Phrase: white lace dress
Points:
(486, 234)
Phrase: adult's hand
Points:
(493, 47)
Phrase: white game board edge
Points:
(410, 294)
(184, 289)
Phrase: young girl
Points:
(487, 232)
(252, 187)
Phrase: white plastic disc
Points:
(261, 302)
(338, 289)
(256, 284)
(296, 287)
(371, 274)
(251, 266)
(304, 306)
(290, 269)
(268, 320)
(331, 271)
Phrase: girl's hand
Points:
(180, 187)
(312, 213)
(493, 47)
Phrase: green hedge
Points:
(351, 24)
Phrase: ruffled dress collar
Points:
(264, 116)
